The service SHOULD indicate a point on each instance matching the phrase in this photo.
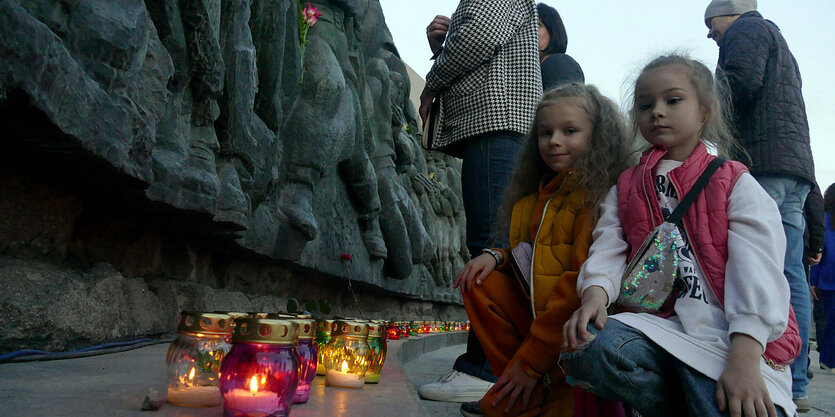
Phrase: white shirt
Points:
(756, 292)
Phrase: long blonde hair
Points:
(716, 131)
(606, 157)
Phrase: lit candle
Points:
(195, 396)
(251, 400)
(343, 378)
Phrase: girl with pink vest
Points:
(723, 344)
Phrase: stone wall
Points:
(175, 154)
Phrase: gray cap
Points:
(728, 7)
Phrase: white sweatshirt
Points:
(756, 292)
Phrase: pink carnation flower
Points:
(311, 14)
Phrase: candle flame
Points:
(253, 385)
(344, 366)
(191, 374)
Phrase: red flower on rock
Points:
(346, 257)
(311, 14)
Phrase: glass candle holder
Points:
(427, 328)
(347, 355)
(194, 358)
(260, 374)
(393, 331)
(467, 326)
(377, 343)
(308, 355)
(323, 336)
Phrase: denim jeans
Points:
(622, 364)
(488, 163)
(790, 194)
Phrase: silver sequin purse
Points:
(648, 285)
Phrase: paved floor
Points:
(115, 384)
(432, 365)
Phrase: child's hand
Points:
(478, 268)
(514, 381)
(741, 388)
(593, 306)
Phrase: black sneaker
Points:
(471, 409)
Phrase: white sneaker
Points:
(827, 369)
(455, 387)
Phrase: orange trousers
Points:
(500, 315)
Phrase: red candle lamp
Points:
(393, 331)
(308, 355)
(260, 374)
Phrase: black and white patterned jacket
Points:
(488, 72)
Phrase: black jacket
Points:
(813, 236)
(768, 108)
(560, 69)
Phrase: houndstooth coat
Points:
(488, 72)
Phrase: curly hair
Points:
(606, 157)
(716, 131)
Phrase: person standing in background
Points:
(823, 286)
(487, 78)
(763, 80)
(557, 67)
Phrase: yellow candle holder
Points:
(347, 356)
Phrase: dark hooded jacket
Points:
(768, 110)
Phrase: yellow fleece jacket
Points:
(559, 224)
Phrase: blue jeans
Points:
(790, 194)
(622, 364)
(488, 162)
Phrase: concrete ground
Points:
(115, 385)
(430, 366)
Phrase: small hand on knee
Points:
(741, 389)
(593, 306)
(514, 381)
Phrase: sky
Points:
(613, 39)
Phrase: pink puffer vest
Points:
(706, 224)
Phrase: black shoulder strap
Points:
(685, 203)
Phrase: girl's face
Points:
(564, 132)
(668, 110)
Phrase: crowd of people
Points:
(677, 284)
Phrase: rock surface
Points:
(167, 154)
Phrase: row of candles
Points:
(259, 364)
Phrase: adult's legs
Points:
(790, 194)
(488, 163)
(827, 343)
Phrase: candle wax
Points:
(343, 379)
(246, 401)
(195, 396)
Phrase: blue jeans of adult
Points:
(622, 364)
(488, 161)
(790, 194)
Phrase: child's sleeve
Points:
(608, 252)
(756, 291)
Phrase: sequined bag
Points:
(648, 283)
